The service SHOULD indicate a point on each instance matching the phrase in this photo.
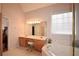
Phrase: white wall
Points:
(45, 14)
(16, 23)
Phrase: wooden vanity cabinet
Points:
(38, 44)
(22, 42)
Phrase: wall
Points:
(44, 14)
(16, 23)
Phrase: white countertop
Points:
(37, 37)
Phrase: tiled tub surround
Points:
(56, 50)
(61, 45)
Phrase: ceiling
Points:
(33, 6)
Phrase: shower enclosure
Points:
(76, 37)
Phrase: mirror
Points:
(38, 29)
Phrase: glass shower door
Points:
(76, 48)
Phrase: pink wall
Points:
(16, 23)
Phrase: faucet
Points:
(48, 41)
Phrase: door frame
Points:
(0, 34)
(1, 50)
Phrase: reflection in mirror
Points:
(33, 30)
(37, 28)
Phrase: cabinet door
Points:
(38, 44)
(22, 42)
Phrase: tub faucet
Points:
(48, 41)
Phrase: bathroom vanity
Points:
(38, 41)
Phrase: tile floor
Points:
(21, 52)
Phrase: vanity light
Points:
(33, 22)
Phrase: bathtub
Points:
(56, 50)
(46, 51)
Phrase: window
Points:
(62, 23)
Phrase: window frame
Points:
(54, 31)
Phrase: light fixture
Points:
(33, 22)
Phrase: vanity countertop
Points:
(36, 37)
